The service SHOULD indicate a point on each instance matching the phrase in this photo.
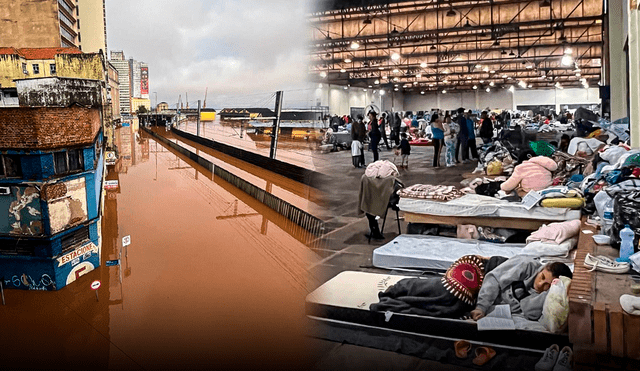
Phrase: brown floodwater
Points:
(211, 280)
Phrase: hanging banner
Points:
(144, 81)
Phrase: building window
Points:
(24, 69)
(68, 161)
(52, 68)
(36, 69)
(10, 166)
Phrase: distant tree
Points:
(142, 109)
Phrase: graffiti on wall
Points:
(67, 202)
(24, 215)
(25, 281)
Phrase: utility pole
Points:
(198, 125)
(276, 126)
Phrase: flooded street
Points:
(211, 280)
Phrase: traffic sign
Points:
(126, 241)
(95, 285)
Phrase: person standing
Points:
(405, 149)
(374, 134)
(486, 128)
(383, 128)
(437, 131)
(463, 136)
(358, 133)
(450, 143)
(395, 128)
(472, 136)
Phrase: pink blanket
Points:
(556, 232)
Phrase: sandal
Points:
(462, 348)
(605, 264)
(483, 355)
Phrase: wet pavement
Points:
(211, 280)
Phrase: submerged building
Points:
(51, 170)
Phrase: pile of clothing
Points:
(495, 160)
(553, 240)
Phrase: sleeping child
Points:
(521, 282)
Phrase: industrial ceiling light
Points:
(328, 55)
(475, 87)
(488, 90)
(504, 76)
(451, 13)
(346, 87)
(491, 83)
(370, 86)
(328, 37)
(381, 68)
(446, 71)
(377, 82)
(395, 70)
(395, 56)
(381, 92)
(355, 45)
(423, 65)
(503, 52)
(422, 92)
(433, 47)
(545, 3)
(415, 83)
(395, 79)
(347, 60)
(395, 89)
(323, 74)
(385, 77)
(468, 77)
(497, 43)
(568, 51)
(394, 31)
(468, 25)
(444, 92)
(485, 69)
(367, 21)
(343, 70)
(578, 74)
(529, 86)
(512, 54)
(522, 84)
(492, 71)
(418, 75)
(512, 89)
(320, 86)
(562, 38)
(481, 81)
(478, 66)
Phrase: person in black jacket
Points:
(383, 128)
(374, 134)
(486, 128)
(463, 135)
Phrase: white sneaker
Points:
(605, 264)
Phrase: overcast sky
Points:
(242, 50)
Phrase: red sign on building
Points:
(144, 81)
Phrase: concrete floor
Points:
(345, 248)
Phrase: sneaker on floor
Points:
(564, 360)
(630, 304)
(549, 359)
(605, 264)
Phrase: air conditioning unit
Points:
(5, 191)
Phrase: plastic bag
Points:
(494, 168)
(626, 211)
(555, 310)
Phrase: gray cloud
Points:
(242, 50)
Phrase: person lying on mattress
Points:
(521, 282)
(455, 294)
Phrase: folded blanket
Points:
(381, 169)
(431, 192)
(556, 232)
(539, 248)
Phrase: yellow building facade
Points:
(48, 62)
(138, 102)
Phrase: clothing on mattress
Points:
(381, 169)
(432, 192)
(533, 174)
(540, 248)
(556, 232)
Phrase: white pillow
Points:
(555, 310)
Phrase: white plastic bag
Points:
(555, 310)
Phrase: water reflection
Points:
(211, 277)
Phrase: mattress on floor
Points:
(346, 298)
(478, 205)
(435, 252)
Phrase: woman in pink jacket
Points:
(534, 174)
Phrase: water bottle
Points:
(607, 216)
(626, 244)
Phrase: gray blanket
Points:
(374, 195)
